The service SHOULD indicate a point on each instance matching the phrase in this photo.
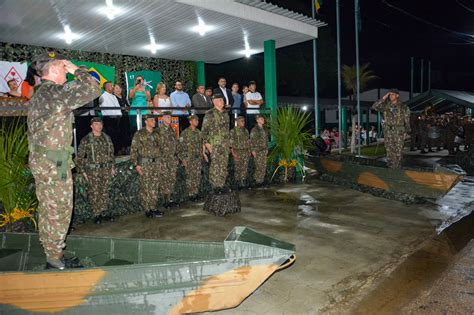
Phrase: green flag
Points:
(151, 78)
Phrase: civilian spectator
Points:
(208, 93)
(254, 102)
(245, 90)
(372, 134)
(223, 90)
(180, 99)
(140, 98)
(28, 86)
(13, 85)
(161, 99)
(200, 100)
(126, 137)
(236, 108)
(111, 117)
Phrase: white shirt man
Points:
(108, 99)
(253, 98)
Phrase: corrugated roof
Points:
(442, 100)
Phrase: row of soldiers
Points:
(450, 130)
(156, 153)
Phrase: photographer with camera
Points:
(140, 98)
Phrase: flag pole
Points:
(315, 76)
(339, 106)
(356, 14)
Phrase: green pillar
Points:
(367, 125)
(269, 55)
(378, 123)
(201, 75)
(344, 126)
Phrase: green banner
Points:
(101, 73)
(151, 78)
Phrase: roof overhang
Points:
(237, 26)
(442, 100)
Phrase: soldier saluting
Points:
(397, 124)
(50, 120)
(95, 161)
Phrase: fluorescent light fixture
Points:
(153, 46)
(110, 11)
(247, 51)
(202, 28)
(68, 35)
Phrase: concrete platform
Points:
(346, 241)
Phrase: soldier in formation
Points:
(397, 125)
(216, 138)
(259, 145)
(50, 118)
(144, 156)
(95, 161)
(167, 146)
(240, 148)
(191, 155)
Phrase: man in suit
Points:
(199, 100)
(224, 91)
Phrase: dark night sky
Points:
(392, 31)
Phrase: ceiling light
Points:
(68, 35)
(153, 47)
(110, 11)
(305, 108)
(202, 28)
(247, 51)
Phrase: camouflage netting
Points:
(406, 198)
(466, 160)
(123, 191)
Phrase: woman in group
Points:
(161, 99)
(28, 85)
(140, 98)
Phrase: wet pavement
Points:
(346, 241)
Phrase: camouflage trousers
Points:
(149, 186)
(193, 175)
(54, 204)
(241, 165)
(394, 141)
(98, 189)
(167, 178)
(260, 166)
(218, 167)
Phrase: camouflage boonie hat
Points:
(259, 116)
(166, 112)
(395, 91)
(96, 119)
(217, 95)
(40, 61)
(240, 118)
(149, 116)
(191, 117)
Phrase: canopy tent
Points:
(442, 101)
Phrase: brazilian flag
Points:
(100, 72)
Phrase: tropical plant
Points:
(290, 138)
(17, 191)
(349, 77)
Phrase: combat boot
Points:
(157, 213)
(64, 263)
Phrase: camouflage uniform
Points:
(190, 150)
(167, 145)
(96, 158)
(397, 123)
(144, 152)
(259, 144)
(240, 142)
(215, 131)
(452, 128)
(415, 132)
(50, 135)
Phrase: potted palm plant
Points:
(18, 201)
(290, 137)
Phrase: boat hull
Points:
(234, 269)
(424, 183)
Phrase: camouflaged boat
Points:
(135, 276)
(419, 182)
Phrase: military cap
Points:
(96, 119)
(240, 118)
(40, 61)
(191, 117)
(259, 116)
(395, 91)
(166, 112)
(217, 95)
(149, 116)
